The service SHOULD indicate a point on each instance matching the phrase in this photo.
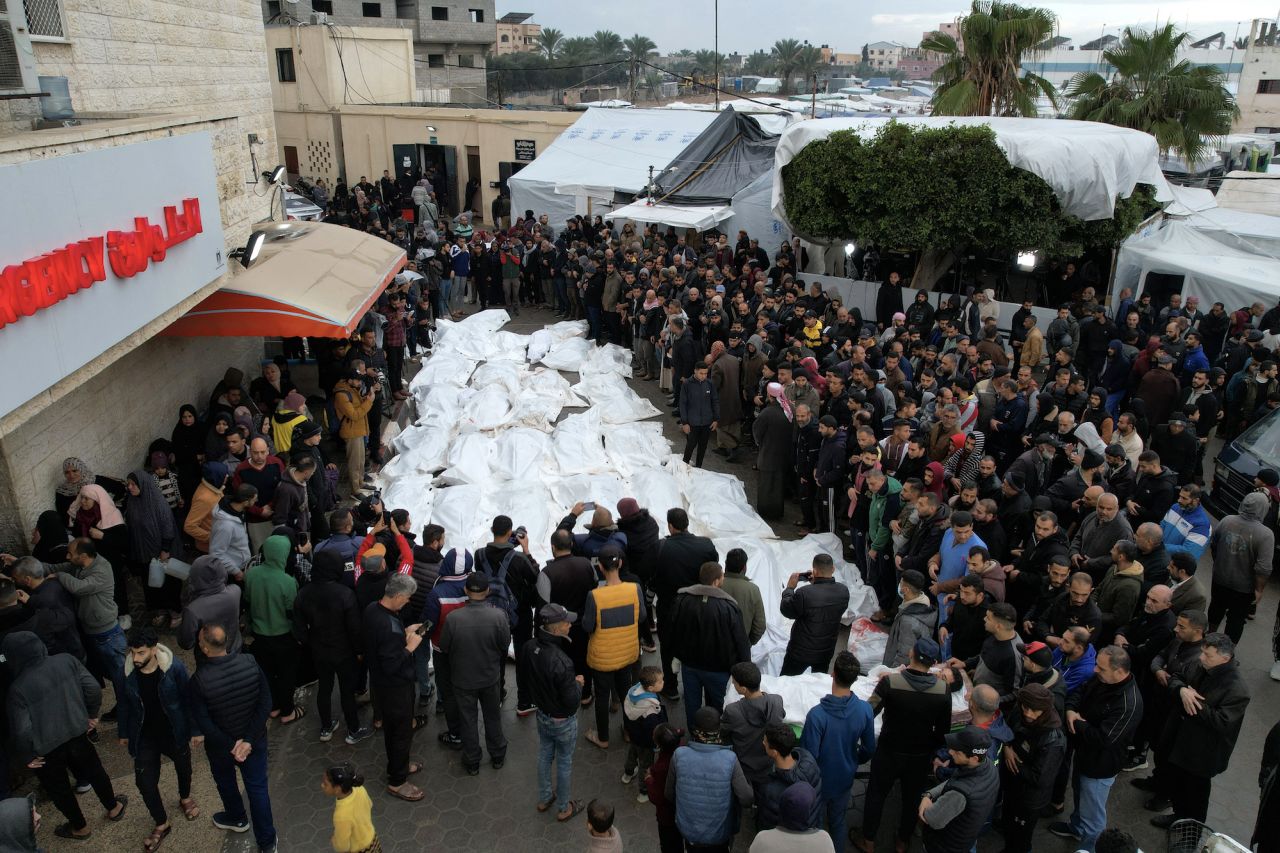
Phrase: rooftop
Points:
(515, 17)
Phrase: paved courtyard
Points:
(495, 810)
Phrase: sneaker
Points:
(525, 710)
(1275, 671)
(670, 695)
(83, 788)
(362, 733)
(1062, 829)
(1137, 761)
(627, 776)
(642, 796)
(450, 740)
(1146, 783)
(222, 820)
(326, 732)
(497, 763)
(473, 771)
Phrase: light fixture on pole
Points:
(248, 254)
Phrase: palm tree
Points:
(608, 45)
(578, 50)
(759, 62)
(985, 77)
(637, 49)
(786, 54)
(549, 42)
(1154, 91)
(808, 63)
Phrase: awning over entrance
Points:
(700, 217)
(311, 280)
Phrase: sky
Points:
(747, 25)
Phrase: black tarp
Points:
(721, 161)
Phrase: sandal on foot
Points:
(190, 810)
(298, 713)
(420, 721)
(575, 806)
(408, 792)
(542, 807)
(415, 767)
(64, 831)
(156, 838)
(592, 737)
(123, 802)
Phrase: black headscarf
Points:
(52, 547)
(215, 445)
(151, 525)
(188, 441)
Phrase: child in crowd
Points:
(166, 479)
(352, 813)
(666, 738)
(642, 712)
(604, 835)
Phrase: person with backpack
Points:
(513, 585)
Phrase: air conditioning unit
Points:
(318, 19)
(17, 60)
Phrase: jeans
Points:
(696, 681)
(1232, 604)
(1090, 815)
(253, 772)
(459, 289)
(556, 741)
(473, 703)
(836, 808)
(78, 757)
(146, 773)
(562, 299)
(446, 289)
(109, 649)
(1113, 403)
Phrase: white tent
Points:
(698, 217)
(1254, 192)
(1212, 270)
(604, 153)
(1087, 164)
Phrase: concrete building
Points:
(1259, 90)
(884, 54)
(516, 35)
(172, 102)
(1060, 64)
(451, 37)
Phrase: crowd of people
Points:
(1026, 507)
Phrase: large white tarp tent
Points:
(1087, 164)
(1212, 270)
(605, 155)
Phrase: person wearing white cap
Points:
(772, 432)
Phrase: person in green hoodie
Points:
(884, 507)
(269, 593)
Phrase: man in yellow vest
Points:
(611, 620)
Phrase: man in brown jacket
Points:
(352, 402)
(1032, 352)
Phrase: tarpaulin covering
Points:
(1211, 269)
(1087, 164)
(732, 152)
(489, 436)
(312, 279)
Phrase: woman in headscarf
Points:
(1030, 763)
(49, 539)
(153, 535)
(1043, 420)
(188, 444)
(215, 441)
(199, 521)
(269, 388)
(95, 515)
(75, 474)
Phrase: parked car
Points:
(1240, 461)
(300, 207)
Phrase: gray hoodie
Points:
(916, 618)
(211, 601)
(94, 589)
(229, 541)
(1242, 546)
(17, 829)
(744, 722)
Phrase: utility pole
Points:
(717, 50)
(813, 101)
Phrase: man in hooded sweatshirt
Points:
(840, 732)
(269, 595)
(212, 602)
(789, 764)
(1242, 547)
(794, 834)
(52, 703)
(199, 520)
(744, 722)
(327, 620)
(229, 532)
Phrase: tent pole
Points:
(717, 50)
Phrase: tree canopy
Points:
(1154, 91)
(938, 189)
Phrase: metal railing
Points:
(44, 18)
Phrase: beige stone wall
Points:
(1261, 62)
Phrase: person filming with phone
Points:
(817, 608)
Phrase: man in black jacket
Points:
(828, 472)
(389, 645)
(683, 352)
(1102, 717)
(708, 637)
(512, 550)
(1154, 490)
(1176, 662)
(556, 690)
(327, 621)
(641, 531)
(808, 441)
(680, 558)
(565, 581)
(230, 701)
(817, 610)
(1201, 733)
(427, 558)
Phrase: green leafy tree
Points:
(578, 50)
(808, 64)
(549, 42)
(1154, 91)
(937, 191)
(608, 45)
(985, 76)
(759, 62)
(786, 54)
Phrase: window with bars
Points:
(44, 18)
(1269, 87)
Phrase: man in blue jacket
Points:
(1075, 657)
(699, 412)
(840, 732)
(1186, 526)
(708, 786)
(153, 723)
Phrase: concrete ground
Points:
(495, 810)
